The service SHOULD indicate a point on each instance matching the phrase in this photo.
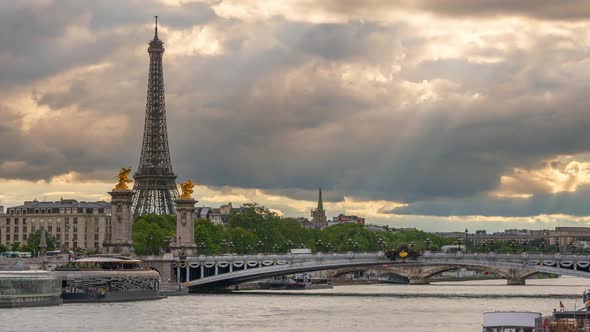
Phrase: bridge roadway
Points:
(221, 271)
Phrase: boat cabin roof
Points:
(510, 319)
(103, 259)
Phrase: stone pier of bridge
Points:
(162, 264)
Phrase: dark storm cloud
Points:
(561, 203)
(290, 106)
(542, 9)
(35, 36)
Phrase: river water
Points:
(456, 306)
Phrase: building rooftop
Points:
(65, 203)
(572, 229)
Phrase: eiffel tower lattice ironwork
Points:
(155, 182)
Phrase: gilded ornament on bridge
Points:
(123, 178)
(187, 189)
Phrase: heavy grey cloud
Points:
(361, 109)
(542, 9)
(562, 203)
(42, 38)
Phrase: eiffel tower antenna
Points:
(155, 182)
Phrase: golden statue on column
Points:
(187, 189)
(123, 179)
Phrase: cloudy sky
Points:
(438, 114)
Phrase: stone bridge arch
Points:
(514, 268)
(421, 274)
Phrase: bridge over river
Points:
(207, 272)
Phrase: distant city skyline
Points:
(439, 115)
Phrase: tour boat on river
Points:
(567, 320)
(300, 281)
(559, 321)
(510, 321)
(108, 279)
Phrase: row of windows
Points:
(58, 210)
(59, 244)
(49, 229)
(49, 220)
(58, 237)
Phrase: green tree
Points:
(15, 246)
(151, 233)
(3, 248)
(255, 228)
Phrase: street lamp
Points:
(319, 245)
(466, 234)
(168, 240)
(572, 247)
(513, 245)
(525, 244)
(223, 246)
(459, 242)
(492, 244)
(329, 246)
(542, 246)
(484, 244)
(381, 243)
(259, 245)
(202, 246)
(289, 245)
(428, 243)
(349, 244)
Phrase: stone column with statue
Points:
(120, 241)
(184, 243)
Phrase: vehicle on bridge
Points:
(452, 248)
(402, 252)
(300, 251)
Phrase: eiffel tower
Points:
(155, 182)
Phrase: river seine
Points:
(453, 307)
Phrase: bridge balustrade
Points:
(233, 267)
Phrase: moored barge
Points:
(108, 279)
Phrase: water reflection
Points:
(436, 307)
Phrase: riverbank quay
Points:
(47, 263)
(29, 289)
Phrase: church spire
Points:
(318, 216)
(320, 201)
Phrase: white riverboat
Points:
(510, 321)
